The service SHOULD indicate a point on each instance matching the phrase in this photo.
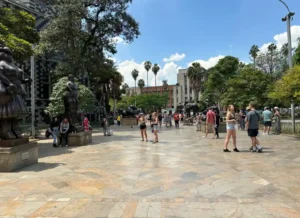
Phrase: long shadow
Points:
(40, 167)
(47, 150)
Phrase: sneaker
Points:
(260, 150)
(251, 148)
(236, 150)
(226, 150)
(66, 145)
(254, 149)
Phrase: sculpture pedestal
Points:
(128, 122)
(80, 138)
(17, 157)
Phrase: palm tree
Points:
(272, 48)
(155, 70)
(147, 66)
(116, 81)
(135, 75)
(141, 84)
(196, 74)
(254, 53)
(165, 85)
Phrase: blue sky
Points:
(201, 30)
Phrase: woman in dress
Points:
(231, 131)
(154, 124)
(86, 124)
(143, 127)
(277, 118)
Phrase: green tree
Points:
(18, 32)
(135, 75)
(271, 61)
(253, 54)
(296, 57)
(288, 87)
(215, 86)
(116, 82)
(84, 31)
(196, 74)
(86, 99)
(141, 84)
(249, 85)
(155, 70)
(124, 87)
(147, 66)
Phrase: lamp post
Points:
(288, 19)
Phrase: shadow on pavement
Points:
(40, 167)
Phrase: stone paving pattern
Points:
(182, 176)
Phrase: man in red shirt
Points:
(210, 121)
(176, 119)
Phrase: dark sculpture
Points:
(131, 111)
(71, 101)
(12, 96)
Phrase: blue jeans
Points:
(55, 134)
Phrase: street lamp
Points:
(288, 19)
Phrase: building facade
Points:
(42, 66)
(153, 90)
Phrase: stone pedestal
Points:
(128, 121)
(18, 156)
(14, 142)
(222, 128)
(80, 138)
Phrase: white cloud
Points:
(168, 72)
(175, 57)
(281, 39)
(211, 62)
(118, 40)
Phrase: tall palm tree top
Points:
(147, 65)
(254, 50)
(141, 83)
(155, 69)
(196, 71)
(135, 74)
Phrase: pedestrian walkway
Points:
(183, 175)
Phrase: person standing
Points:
(154, 124)
(210, 121)
(143, 127)
(105, 126)
(217, 123)
(252, 126)
(54, 127)
(231, 130)
(237, 120)
(242, 120)
(160, 119)
(86, 124)
(64, 131)
(198, 121)
(176, 119)
(119, 120)
(277, 118)
(267, 116)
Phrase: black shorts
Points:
(267, 123)
(143, 126)
(252, 132)
(176, 121)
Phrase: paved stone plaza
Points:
(182, 176)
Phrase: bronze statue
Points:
(71, 101)
(12, 95)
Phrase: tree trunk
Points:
(147, 79)
(135, 87)
(195, 96)
(254, 62)
(155, 84)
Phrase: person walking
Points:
(64, 132)
(210, 121)
(105, 127)
(198, 121)
(242, 120)
(54, 127)
(267, 117)
(154, 124)
(231, 130)
(277, 118)
(237, 120)
(176, 119)
(217, 123)
(160, 118)
(252, 126)
(143, 127)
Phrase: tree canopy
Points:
(18, 32)
(196, 74)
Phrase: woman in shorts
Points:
(154, 124)
(230, 126)
(143, 127)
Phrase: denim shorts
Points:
(230, 126)
(155, 127)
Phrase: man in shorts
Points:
(210, 121)
(252, 126)
(267, 116)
